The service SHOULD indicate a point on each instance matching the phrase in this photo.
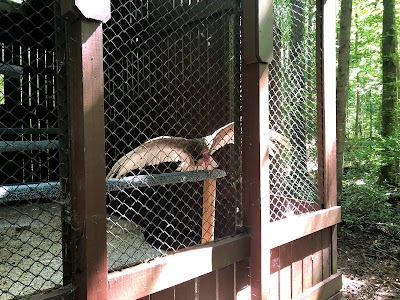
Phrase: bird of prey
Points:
(193, 154)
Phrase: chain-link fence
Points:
(173, 137)
(172, 69)
(293, 109)
(32, 38)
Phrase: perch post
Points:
(209, 197)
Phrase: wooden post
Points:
(329, 115)
(209, 199)
(87, 149)
(257, 52)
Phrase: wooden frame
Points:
(177, 268)
(257, 257)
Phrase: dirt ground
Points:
(370, 263)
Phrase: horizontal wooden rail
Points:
(33, 191)
(298, 226)
(323, 290)
(164, 272)
(20, 146)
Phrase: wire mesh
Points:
(32, 43)
(293, 109)
(171, 69)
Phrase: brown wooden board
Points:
(171, 270)
(297, 267)
(226, 283)
(167, 294)
(186, 290)
(207, 286)
(274, 279)
(285, 271)
(242, 274)
(307, 250)
(317, 257)
(89, 253)
(326, 253)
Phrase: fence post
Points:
(87, 150)
(257, 52)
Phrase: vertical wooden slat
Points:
(167, 294)
(285, 271)
(326, 253)
(317, 257)
(297, 267)
(242, 275)
(226, 283)
(86, 96)
(186, 290)
(207, 286)
(274, 278)
(307, 262)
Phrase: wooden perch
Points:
(20, 146)
(22, 131)
(11, 70)
(33, 191)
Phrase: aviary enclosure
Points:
(109, 115)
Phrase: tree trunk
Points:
(388, 172)
(342, 87)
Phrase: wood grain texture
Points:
(323, 290)
(285, 271)
(207, 286)
(209, 200)
(87, 160)
(226, 283)
(299, 226)
(172, 270)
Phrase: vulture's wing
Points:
(221, 137)
(153, 152)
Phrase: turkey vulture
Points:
(193, 154)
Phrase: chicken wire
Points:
(293, 109)
(32, 126)
(171, 69)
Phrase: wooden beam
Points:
(72, 9)
(298, 226)
(329, 83)
(257, 49)
(52, 189)
(164, 272)
(323, 290)
(87, 159)
(208, 220)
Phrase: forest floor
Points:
(369, 260)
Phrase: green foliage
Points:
(367, 205)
